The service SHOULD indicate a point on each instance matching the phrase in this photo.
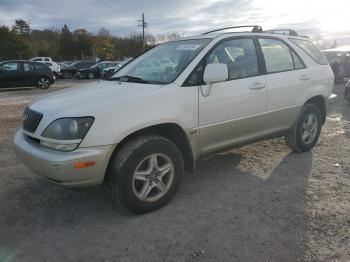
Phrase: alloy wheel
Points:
(309, 128)
(44, 83)
(153, 177)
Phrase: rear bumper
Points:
(57, 166)
(330, 103)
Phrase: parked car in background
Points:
(41, 59)
(156, 65)
(95, 70)
(339, 59)
(25, 73)
(108, 72)
(64, 64)
(56, 69)
(70, 70)
(140, 133)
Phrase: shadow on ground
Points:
(219, 214)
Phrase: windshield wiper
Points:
(133, 79)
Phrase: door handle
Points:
(257, 86)
(304, 77)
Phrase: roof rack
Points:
(256, 29)
(282, 32)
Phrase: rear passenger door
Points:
(230, 114)
(28, 75)
(287, 77)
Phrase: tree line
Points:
(22, 42)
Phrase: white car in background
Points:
(167, 64)
(56, 69)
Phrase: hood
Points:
(89, 99)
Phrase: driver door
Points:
(231, 112)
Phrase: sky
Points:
(183, 16)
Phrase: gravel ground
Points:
(256, 203)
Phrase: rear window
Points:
(311, 50)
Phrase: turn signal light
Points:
(79, 165)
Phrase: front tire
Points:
(146, 173)
(306, 131)
(43, 82)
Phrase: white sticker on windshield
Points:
(188, 47)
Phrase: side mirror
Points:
(215, 73)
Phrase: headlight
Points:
(68, 128)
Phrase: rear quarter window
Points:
(311, 50)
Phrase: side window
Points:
(38, 66)
(278, 57)
(10, 67)
(298, 64)
(27, 67)
(46, 59)
(37, 59)
(311, 50)
(196, 77)
(239, 55)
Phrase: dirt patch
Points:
(256, 203)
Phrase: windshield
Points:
(96, 65)
(162, 64)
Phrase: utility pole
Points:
(143, 24)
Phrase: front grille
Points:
(31, 120)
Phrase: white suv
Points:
(56, 69)
(140, 131)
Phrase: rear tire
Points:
(43, 82)
(66, 75)
(306, 131)
(145, 173)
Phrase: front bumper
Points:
(57, 166)
(330, 103)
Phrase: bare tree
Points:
(104, 32)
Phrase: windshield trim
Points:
(190, 61)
